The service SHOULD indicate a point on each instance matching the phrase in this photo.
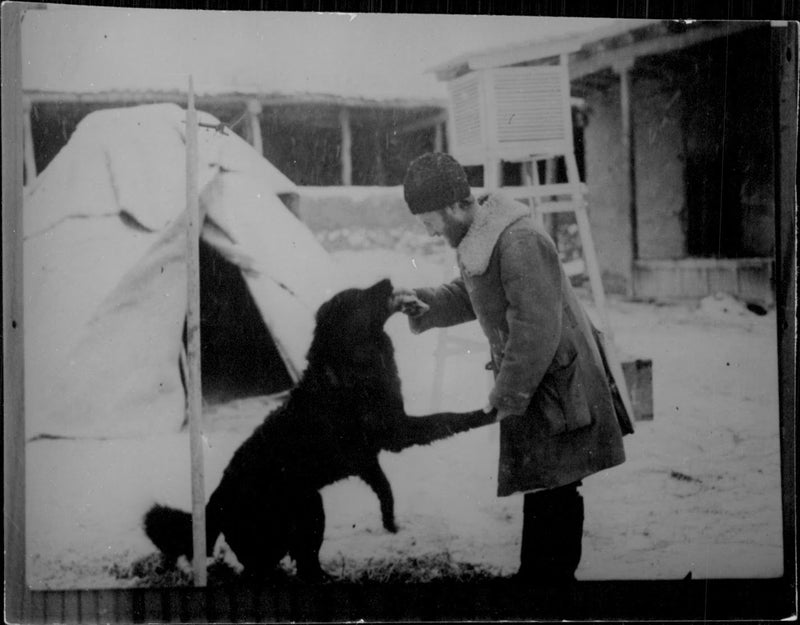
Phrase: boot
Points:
(552, 536)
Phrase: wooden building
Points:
(315, 139)
(676, 139)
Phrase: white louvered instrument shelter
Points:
(510, 114)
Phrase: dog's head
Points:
(357, 312)
(349, 333)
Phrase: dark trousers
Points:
(552, 535)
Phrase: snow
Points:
(699, 492)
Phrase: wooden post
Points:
(629, 159)
(438, 138)
(380, 168)
(253, 112)
(346, 147)
(194, 393)
(784, 48)
(17, 593)
(30, 160)
(492, 174)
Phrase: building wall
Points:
(607, 184)
(729, 148)
(660, 186)
(704, 159)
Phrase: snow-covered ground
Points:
(700, 490)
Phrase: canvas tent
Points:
(105, 276)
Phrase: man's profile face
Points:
(449, 222)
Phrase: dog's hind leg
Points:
(372, 473)
(306, 534)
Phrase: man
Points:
(552, 392)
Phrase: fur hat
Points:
(433, 181)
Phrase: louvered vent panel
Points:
(529, 104)
(465, 101)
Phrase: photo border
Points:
(590, 600)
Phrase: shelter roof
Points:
(595, 50)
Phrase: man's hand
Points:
(406, 301)
(500, 414)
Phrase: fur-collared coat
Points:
(549, 372)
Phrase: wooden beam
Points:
(583, 64)
(194, 390)
(253, 113)
(438, 138)
(784, 49)
(266, 99)
(629, 158)
(30, 158)
(546, 190)
(422, 124)
(16, 591)
(346, 147)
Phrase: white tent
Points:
(105, 273)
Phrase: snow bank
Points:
(699, 492)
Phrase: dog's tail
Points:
(171, 531)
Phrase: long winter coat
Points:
(549, 372)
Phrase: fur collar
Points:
(494, 214)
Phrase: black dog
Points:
(346, 409)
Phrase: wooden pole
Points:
(30, 159)
(253, 111)
(380, 169)
(629, 161)
(347, 147)
(784, 48)
(438, 138)
(194, 393)
(17, 594)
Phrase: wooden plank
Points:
(549, 208)
(438, 138)
(253, 113)
(71, 606)
(30, 158)
(148, 96)
(629, 154)
(88, 604)
(546, 190)
(607, 59)
(124, 606)
(53, 606)
(244, 605)
(173, 606)
(195, 608)
(423, 124)
(378, 138)
(784, 50)
(722, 279)
(107, 606)
(16, 591)
(194, 392)
(218, 602)
(345, 155)
(152, 605)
